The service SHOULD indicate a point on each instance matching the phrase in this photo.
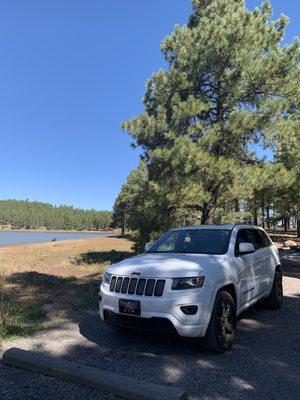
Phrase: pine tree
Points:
(230, 85)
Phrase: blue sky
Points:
(70, 72)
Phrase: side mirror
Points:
(147, 246)
(246, 248)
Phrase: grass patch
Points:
(17, 320)
(48, 283)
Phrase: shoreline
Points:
(58, 231)
(56, 242)
(22, 239)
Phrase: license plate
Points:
(132, 307)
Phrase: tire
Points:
(275, 298)
(221, 330)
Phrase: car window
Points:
(242, 237)
(193, 241)
(169, 244)
(265, 238)
(258, 239)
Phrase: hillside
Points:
(19, 214)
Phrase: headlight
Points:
(188, 283)
(106, 278)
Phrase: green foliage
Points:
(33, 215)
(230, 88)
(126, 202)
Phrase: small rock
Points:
(290, 243)
(48, 309)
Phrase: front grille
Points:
(155, 324)
(137, 286)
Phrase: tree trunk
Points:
(263, 213)
(268, 216)
(255, 215)
(206, 211)
(123, 225)
(208, 208)
(237, 205)
(298, 227)
(285, 224)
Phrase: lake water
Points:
(15, 237)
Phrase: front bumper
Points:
(165, 307)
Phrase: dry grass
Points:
(43, 284)
(58, 258)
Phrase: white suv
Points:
(194, 281)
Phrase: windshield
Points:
(196, 241)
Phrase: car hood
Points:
(159, 265)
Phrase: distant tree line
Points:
(139, 209)
(231, 91)
(33, 215)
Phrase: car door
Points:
(262, 260)
(247, 269)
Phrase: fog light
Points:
(189, 310)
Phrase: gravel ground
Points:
(263, 364)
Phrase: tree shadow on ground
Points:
(263, 363)
(257, 367)
(31, 300)
(99, 257)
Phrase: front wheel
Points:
(221, 330)
(275, 298)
